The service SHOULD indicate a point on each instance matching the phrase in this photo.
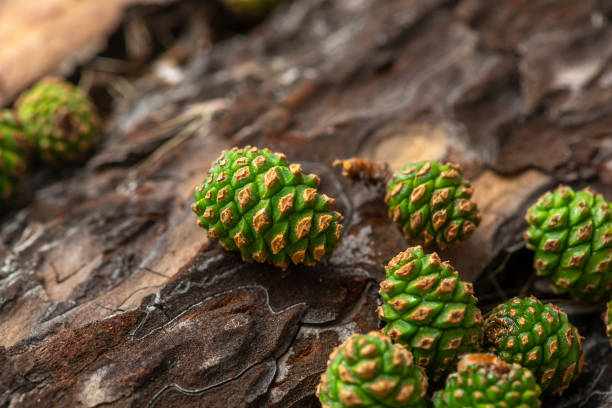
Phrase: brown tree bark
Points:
(110, 295)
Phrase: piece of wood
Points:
(111, 294)
(52, 36)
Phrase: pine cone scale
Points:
(256, 203)
(60, 120)
(429, 310)
(539, 337)
(484, 380)
(571, 234)
(370, 371)
(431, 202)
(15, 150)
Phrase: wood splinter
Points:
(356, 167)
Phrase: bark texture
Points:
(110, 294)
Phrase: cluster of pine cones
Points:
(522, 349)
(53, 122)
(257, 203)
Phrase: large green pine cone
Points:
(486, 381)
(257, 203)
(251, 8)
(539, 337)
(608, 320)
(430, 201)
(60, 119)
(429, 310)
(370, 371)
(14, 151)
(571, 234)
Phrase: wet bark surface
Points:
(110, 294)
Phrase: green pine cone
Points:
(251, 8)
(257, 203)
(368, 370)
(608, 320)
(430, 201)
(60, 119)
(571, 234)
(14, 151)
(429, 310)
(539, 337)
(486, 381)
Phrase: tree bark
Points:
(110, 294)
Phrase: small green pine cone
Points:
(571, 234)
(539, 337)
(251, 8)
(60, 119)
(429, 310)
(430, 201)
(368, 370)
(608, 320)
(257, 203)
(14, 151)
(486, 381)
